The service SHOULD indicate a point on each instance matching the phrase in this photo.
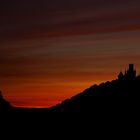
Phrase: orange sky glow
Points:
(51, 51)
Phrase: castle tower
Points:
(131, 73)
(131, 67)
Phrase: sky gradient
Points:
(52, 50)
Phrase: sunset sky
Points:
(51, 50)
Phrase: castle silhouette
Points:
(129, 74)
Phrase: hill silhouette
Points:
(120, 94)
(109, 108)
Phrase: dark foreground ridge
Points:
(4, 105)
(121, 94)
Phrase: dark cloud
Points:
(25, 19)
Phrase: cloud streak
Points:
(24, 20)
